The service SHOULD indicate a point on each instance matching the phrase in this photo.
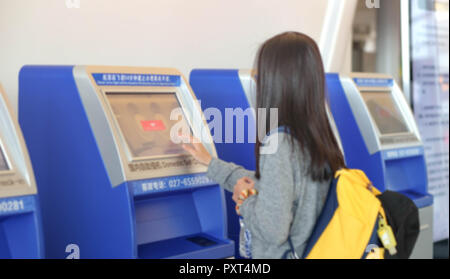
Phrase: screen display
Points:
(144, 119)
(3, 163)
(385, 112)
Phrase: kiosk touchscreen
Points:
(20, 224)
(230, 90)
(118, 183)
(380, 136)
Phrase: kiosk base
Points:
(200, 246)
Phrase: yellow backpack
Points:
(352, 224)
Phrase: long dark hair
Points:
(290, 77)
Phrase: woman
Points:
(293, 182)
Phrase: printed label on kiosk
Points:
(141, 189)
(20, 224)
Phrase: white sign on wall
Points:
(430, 67)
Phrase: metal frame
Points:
(368, 127)
(20, 173)
(9, 169)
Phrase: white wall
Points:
(166, 33)
(336, 35)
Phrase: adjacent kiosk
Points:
(380, 136)
(20, 224)
(115, 182)
(232, 90)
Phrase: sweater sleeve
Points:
(227, 174)
(269, 213)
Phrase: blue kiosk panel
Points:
(20, 223)
(115, 184)
(379, 135)
(225, 89)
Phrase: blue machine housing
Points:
(402, 169)
(20, 228)
(222, 89)
(20, 216)
(138, 219)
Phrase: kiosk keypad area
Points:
(380, 136)
(114, 167)
(20, 223)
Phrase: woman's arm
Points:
(269, 213)
(227, 174)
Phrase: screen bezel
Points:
(396, 105)
(144, 91)
(4, 151)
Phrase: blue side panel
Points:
(222, 89)
(79, 206)
(356, 154)
(20, 228)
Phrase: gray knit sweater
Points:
(288, 201)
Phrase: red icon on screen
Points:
(152, 125)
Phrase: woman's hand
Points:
(242, 184)
(196, 149)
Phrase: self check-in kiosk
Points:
(229, 90)
(380, 136)
(20, 223)
(116, 183)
